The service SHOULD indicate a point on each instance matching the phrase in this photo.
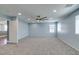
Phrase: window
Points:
(59, 27)
(52, 28)
(77, 25)
(3, 26)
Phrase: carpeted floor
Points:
(38, 46)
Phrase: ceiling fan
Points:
(40, 18)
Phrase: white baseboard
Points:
(69, 44)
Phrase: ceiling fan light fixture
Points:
(54, 11)
(29, 19)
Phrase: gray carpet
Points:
(38, 46)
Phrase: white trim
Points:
(69, 44)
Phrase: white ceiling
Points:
(32, 10)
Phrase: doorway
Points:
(4, 32)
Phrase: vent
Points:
(69, 5)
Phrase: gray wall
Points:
(67, 33)
(22, 29)
(40, 29)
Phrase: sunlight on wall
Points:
(77, 24)
(59, 27)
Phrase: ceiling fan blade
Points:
(37, 16)
(40, 18)
(44, 18)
